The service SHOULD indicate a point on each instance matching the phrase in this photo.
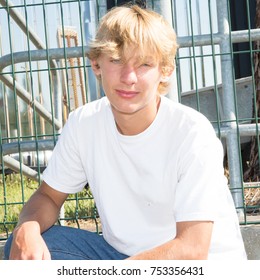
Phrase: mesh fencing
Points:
(44, 75)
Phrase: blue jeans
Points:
(67, 243)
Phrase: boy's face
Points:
(130, 83)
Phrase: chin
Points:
(127, 110)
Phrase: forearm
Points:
(192, 242)
(40, 211)
(172, 250)
(38, 214)
(35, 218)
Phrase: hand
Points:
(28, 243)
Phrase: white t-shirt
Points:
(144, 184)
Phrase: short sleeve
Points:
(65, 171)
(201, 183)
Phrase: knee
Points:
(7, 247)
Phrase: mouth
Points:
(126, 94)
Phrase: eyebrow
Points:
(148, 58)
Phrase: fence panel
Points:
(44, 75)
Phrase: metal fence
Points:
(44, 75)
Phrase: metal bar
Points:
(244, 130)
(186, 41)
(58, 53)
(16, 166)
(21, 22)
(91, 20)
(23, 94)
(102, 8)
(26, 146)
(240, 36)
(19, 19)
(164, 7)
(229, 106)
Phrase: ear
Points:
(165, 79)
(95, 66)
(166, 75)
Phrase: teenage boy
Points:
(155, 167)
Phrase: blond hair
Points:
(128, 26)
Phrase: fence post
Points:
(90, 23)
(164, 7)
(229, 105)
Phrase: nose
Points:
(128, 75)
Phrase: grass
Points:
(15, 190)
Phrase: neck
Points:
(133, 124)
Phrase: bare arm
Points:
(191, 243)
(38, 214)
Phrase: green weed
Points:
(15, 190)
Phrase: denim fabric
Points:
(66, 243)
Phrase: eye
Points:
(147, 64)
(115, 60)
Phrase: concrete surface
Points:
(2, 243)
(250, 233)
(251, 236)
